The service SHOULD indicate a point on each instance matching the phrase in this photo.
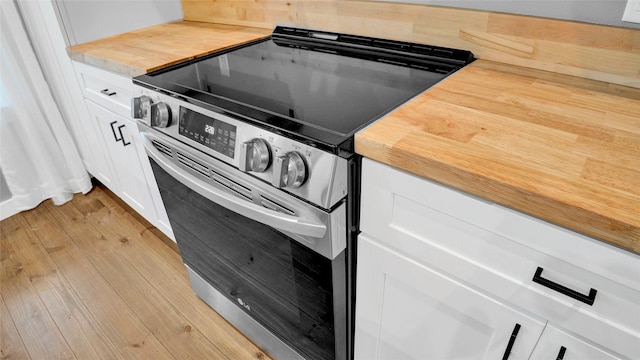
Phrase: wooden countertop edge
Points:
(132, 70)
(438, 150)
(585, 221)
(98, 52)
(106, 64)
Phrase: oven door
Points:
(268, 280)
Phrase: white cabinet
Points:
(443, 241)
(121, 150)
(120, 161)
(412, 311)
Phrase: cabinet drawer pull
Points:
(107, 92)
(124, 142)
(587, 299)
(512, 340)
(115, 136)
(561, 353)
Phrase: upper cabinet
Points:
(85, 21)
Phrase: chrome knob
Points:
(160, 115)
(255, 155)
(140, 108)
(289, 170)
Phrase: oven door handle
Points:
(275, 219)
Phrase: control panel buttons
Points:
(255, 155)
(289, 170)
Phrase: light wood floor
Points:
(93, 280)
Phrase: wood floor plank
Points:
(11, 345)
(53, 292)
(229, 339)
(92, 269)
(110, 314)
(29, 314)
(73, 318)
(109, 257)
(163, 268)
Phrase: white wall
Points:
(88, 20)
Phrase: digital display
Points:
(210, 132)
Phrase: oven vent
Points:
(193, 164)
(241, 190)
(162, 148)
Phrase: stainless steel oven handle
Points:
(277, 220)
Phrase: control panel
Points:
(298, 168)
(210, 132)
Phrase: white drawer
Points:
(110, 90)
(502, 250)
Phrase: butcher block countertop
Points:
(142, 51)
(560, 148)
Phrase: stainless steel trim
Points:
(243, 322)
(322, 231)
(298, 225)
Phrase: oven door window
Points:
(283, 285)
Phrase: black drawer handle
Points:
(124, 142)
(115, 136)
(561, 353)
(587, 299)
(107, 92)
(512, 340)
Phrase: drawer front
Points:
(502, 251)
(110, 90)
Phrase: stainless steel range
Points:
(252, 150)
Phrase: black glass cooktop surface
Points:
(321, 89)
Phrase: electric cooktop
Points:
(318, 86)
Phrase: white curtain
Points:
(38, 157)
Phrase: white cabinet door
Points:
(406, 310)
(102, 166)
(120, 136)
(557, 345)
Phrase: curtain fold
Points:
(38, 157)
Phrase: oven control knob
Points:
(140, 108)
(255, 155)
(160, 115)
(289, 170)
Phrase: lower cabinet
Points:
(445, 275)
(126, 170)
(411, 311)
(119, 158)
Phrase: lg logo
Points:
(244, 304)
